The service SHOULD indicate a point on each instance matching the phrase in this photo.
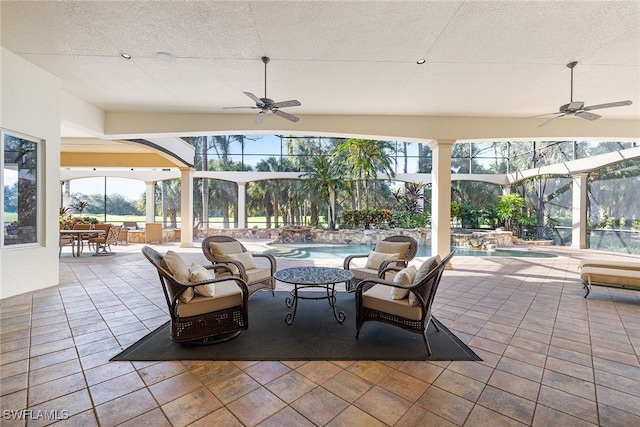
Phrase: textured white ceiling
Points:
(489, 59)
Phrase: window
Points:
(20, 188)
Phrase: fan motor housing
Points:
(572, 107)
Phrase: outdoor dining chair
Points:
(104, 241)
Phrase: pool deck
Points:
(550, 356)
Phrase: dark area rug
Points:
(314, 335)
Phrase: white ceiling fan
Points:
(577, 108)
(266, 104)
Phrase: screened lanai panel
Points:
(221, 206)
(614, 208)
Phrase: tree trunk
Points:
(165, 202)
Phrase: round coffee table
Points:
(313, 277)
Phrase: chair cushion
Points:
(610, 276)
(228, 295)
(245, 258)
(198, 273)
(259, 273)
(379, 298)
(367, 273)
(176, 265)
(392, 248)
(425, 268)
(404, 277)
(428, 265)
(222, 249)
(376, 258)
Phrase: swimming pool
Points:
(321, 251)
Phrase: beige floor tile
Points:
(383, 405)
(191, 407)
(526, 318)
(319, 406)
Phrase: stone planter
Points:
(478, 239)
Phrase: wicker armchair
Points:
(222, 250)
(202, 319)
(390, 245)
(377, 302)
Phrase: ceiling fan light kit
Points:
(577, 108)
(267, 104)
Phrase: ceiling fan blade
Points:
(551, 119)
(260, 117)
(608, 105)
(290, 103)
(542, 115)
(285, 115)
(229, 108)
(587, 115)
(255, 98)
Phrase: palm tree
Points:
(324, 179)
(268, 189)
(365, 158)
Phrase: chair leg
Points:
(426, 342)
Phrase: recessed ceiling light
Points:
(164, 56)
(420, 61)
(125, 55)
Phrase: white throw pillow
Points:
(198, 273)
(376, 258)
(392, 247)
(424, 270)
(180, 271)
(222, 249)
(404, 277)
(245, 258)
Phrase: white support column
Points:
(66, 194)
(150, 196)
(441, 198)
(242, 205)
(506, 189)
(186, 208)
(579, 212)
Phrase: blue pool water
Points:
(320, 251)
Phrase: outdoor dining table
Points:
(77, 238)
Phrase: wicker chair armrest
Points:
(378, 281)
(383, 271)
(242, 272)
(241, 283)
(348, 260)
(385, 264)
(368, 283)
(217, 266)
(270, 258)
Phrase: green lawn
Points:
(214, 222)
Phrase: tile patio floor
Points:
(550, 357)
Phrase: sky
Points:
(131, 189)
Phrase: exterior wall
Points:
(30, 104)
